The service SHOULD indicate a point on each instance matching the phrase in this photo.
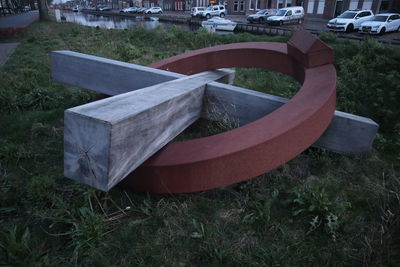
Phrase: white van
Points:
(287, 15)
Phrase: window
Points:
(384, 5)
(241, 6)
(288, 3)
(236, 6)
(353, 4)
(310, 7)
(321, 7)
(367, 4)
(289, 13)
(254, 3)
(365, 14)
(280, 3)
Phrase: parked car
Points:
(131, 9)
(261, 16)
(381, 23)
(195, 11)
(287, 15)
(154, 10)
(141, 10)
(103, 8)
(350, 20)
(211, 11)
(75, 9)
(6, 11)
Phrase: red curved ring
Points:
(250, 150)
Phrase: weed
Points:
(313, 201)
(199, 231)
(88, 230)
(39, 187)
(16, 249)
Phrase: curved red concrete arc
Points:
(250, 150)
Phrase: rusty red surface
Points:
(260, 146)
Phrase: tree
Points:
(43, 10)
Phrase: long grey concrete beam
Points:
(106, 140)
(347, 134)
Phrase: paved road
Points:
(20, 20)
(15, 21)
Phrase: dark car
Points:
(141, 10)
(261, 16)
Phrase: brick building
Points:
(318, 8)
(313, 8)
(330, 9)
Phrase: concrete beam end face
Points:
(349, 134)
(86, 144)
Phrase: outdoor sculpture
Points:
(214, 161)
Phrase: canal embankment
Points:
(315, 27)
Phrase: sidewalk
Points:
(10, 26)
(19, 20)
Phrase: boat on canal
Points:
(219, 24)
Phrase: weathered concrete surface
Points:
(6, 50)
(106, 140)
(110, 77)
(103, 75)
(348, 134)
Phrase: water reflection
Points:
(119, 23)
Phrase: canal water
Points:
(111, 22)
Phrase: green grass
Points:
(319, 209)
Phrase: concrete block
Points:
(347, 133)
(110, 77)
(106, 140)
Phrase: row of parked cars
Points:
(271, 16)
(142, 10)
(365, 21)
(281, 16)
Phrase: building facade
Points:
(321, 8)
(331, 9)
(313, 8)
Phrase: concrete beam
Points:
(104, 75)
(106, 140)
(347, 134)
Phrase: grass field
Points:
(320, 209)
